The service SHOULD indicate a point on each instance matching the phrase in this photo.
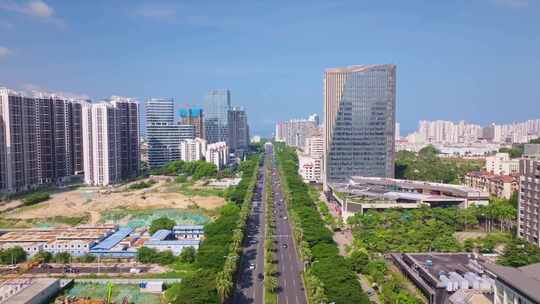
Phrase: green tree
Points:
(43, 256)
(359, 261)
(224, 286)
(87, 258)
(187, 255)
(519, 253)
(161, 223)
(429, 150)
(62, 257)
(146, 255)
(466, 217)
(13, 255)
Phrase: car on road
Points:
(251, 266)
(284, 246)
(285, 218)
(260, 276)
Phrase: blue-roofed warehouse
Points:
(105, 247)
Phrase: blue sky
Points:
(477, 60)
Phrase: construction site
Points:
(94, 205)
(62, 291)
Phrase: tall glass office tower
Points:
(217, 103)
(359, 125)
(164, 135)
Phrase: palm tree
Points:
(223, 286)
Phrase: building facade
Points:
(238, 135)
(514, 285)
(359, 109)
(217, 103)
(501, 164)
(529, 195)
(164, 135)
(40, 138)
(502, 186)
(110, 141)
(193, 149)
(218, 154)
(310, 168)
(194, 117)
(294, 132)
(314, 146)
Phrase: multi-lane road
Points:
(249, 286)
(289, 264)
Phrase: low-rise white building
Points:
(218, 154)
(310, 168)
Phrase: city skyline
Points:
(184, 50)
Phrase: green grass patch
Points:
(35, 198)
(189, 189)
(44, 222)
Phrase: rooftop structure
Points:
(113, 239)
(520, 284)
(180, 237)
(160, 235)
(29, 291)
(362, 193)
(440, 275)
(76, 241)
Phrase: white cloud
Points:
(33, 8)
(31, 88)
(512, 3)
(4, 52)
(40, 9)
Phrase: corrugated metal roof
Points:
(520, 280)
(160, 235)
(188, 227)
(173, 242)
(113, 239)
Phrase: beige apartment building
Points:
(529, 195)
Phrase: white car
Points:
(252, 266)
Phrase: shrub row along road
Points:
(290, 265)
(249, 286)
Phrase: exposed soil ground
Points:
(94, 201)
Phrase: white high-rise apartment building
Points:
(314, 146)
(294, 132)
(40, 139)
(193, 149)
(441, 131)
(501, 164)
(110, 141)
(447, 132)
(218, 154)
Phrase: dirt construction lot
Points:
(94, 201)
